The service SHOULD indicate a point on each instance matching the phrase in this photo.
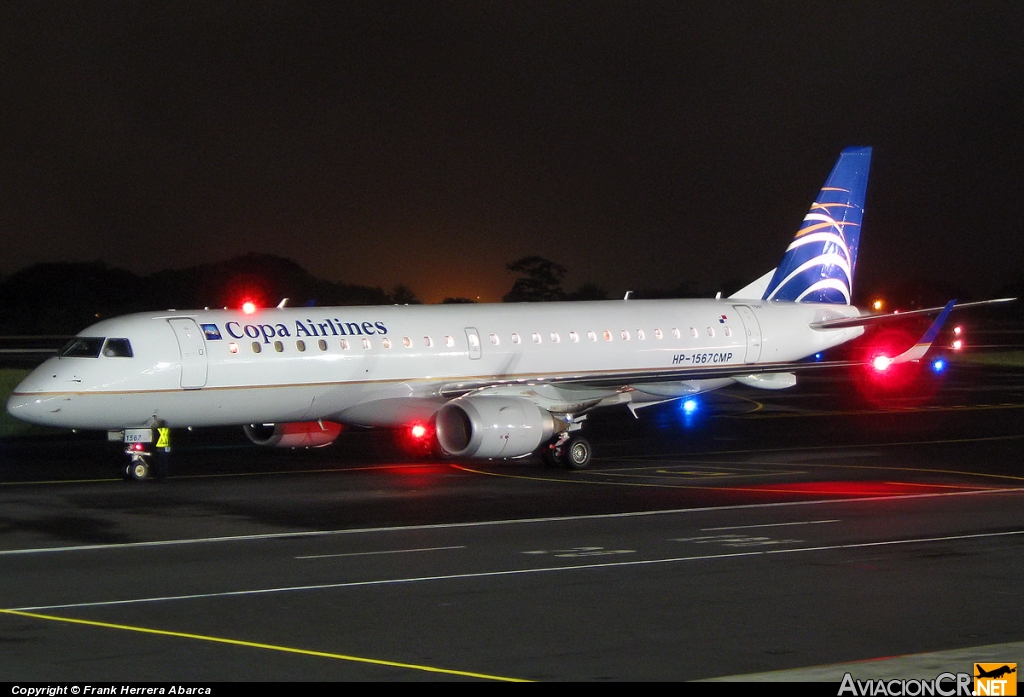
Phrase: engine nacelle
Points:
(492, 427)
(303, 434)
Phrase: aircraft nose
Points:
(29, 401)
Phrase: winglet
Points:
(918, 350)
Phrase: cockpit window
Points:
(117, 348)
(82, 347)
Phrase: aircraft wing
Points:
(624, 378)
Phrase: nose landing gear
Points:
(139, 447)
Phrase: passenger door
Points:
(192, 346)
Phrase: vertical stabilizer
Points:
(819, 263)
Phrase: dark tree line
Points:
(62, 298)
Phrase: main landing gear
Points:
(569, 450)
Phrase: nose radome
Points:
(26, 400)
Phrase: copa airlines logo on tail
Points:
(818, 265)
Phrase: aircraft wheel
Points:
(549, 455)
(577, 453)
(139, 470)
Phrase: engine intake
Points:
(492, 427)
(302, 434)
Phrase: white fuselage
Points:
(385, 365)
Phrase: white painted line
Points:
(512, 572)
(773, 525)
(383, 551)
(491, 523)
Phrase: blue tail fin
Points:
(818, 266)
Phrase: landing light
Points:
(957, 344)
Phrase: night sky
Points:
(640, 145)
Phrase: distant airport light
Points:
(248, 307)
(957, 344)
(957, 330)
(878, 305)
(881, 363)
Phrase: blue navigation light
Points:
(818, 357)
(690, 406)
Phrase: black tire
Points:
(577, 453)
(549, 456)
(139, 470)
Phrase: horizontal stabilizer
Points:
(867, 320)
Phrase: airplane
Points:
(486, 380)
(995, 673)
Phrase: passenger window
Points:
(640, 335)
(366, 343)
(536, 338)
(555, 338)
(515, 338)
(607, 335)
(233, 347)
(428, 342)
(407, 342)
(278, 346)
(256, 348)
(693, 332)
(386, 342)
(344, 344)
(449, 340)
(494, 339)
(658, 334)
(574, 337)
(117, 348)
(624, 334)
(728, 331)
(300, 345)
(322, 344)
(711, 331)
(592, 336)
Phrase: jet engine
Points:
(303, 434)
(492, 427)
